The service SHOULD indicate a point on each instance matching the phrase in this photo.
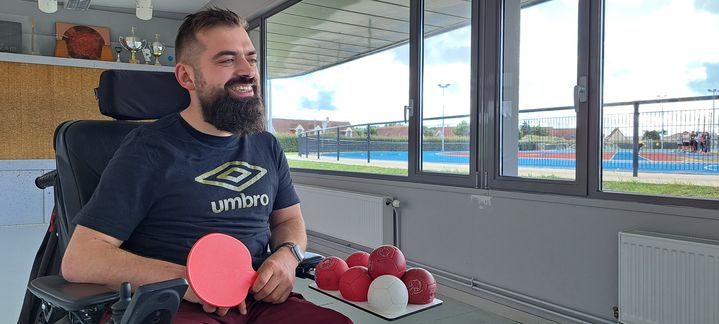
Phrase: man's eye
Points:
(227, 61)
(252, 60)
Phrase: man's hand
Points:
(275, 277)
(190, 296)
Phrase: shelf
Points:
(61, 61)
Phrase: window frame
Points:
(416, 39)
(492, 105)
(485, 143)
(596, 55)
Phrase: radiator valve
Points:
(392, 202)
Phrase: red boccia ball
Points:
(359, 258)
(329, 272)
(386, 260)
(421, 286)
(354, 284)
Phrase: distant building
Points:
(565, 133)
(616, 136)
(299, 126)
(392, 131)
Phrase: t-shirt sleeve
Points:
(123, 195)
(286, 195)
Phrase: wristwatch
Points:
(295, 249)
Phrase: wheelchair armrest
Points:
(306, 268)
(71, 296)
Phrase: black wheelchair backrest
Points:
(83, 148)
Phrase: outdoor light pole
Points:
(661, 132)
(443, 86)
(714, 133)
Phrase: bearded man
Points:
(190, 174)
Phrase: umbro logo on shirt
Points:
(234, 175)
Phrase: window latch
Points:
(409, 109)
(580, 92)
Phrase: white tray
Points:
(411, 308)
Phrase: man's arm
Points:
(277, 274)
(94, 257)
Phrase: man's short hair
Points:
(186, 45)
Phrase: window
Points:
(446, 122)
(406, 88)
(542, 97)
(660, 131)
(338, 82)
(537, 116)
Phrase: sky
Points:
(652, 48)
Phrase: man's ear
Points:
(185, 76)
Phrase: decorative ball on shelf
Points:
(328, 273)
(354, 284)
(359, 258)
(387, 295)
(387, 260)
(421, 286)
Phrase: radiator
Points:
(667, 279)
(358, 218)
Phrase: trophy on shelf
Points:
(146, 53)
(157, 49)
(118, 50)
(133, 44)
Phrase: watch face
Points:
(297, 251)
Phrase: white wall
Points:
(560, 250)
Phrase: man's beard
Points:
(239, 116)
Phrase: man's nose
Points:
(245, 68)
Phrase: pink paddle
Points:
(219, 269)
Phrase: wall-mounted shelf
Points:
(61, 61)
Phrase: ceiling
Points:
(317, 34)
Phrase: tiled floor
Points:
(451, 311)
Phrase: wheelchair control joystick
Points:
(119, 307)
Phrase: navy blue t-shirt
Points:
(169, 184)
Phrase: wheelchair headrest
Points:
(140, 95)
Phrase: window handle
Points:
(580, 92)
(409, 108)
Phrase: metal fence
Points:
(665, 135)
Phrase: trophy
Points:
(146, 54)
(133, 44)
(118, 50)
(157, 49)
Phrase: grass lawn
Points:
(346, 167)
(673, 189)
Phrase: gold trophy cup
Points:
(157, 49)
(133, 44)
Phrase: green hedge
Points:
(288, 142)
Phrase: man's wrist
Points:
(287, 256)
(295, 250)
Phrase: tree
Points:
(462, 129)
(652, 135)
(526, 129)
(428, 132)
(362, 131)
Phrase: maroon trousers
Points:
(294, 310)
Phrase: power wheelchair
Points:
(83, 150)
